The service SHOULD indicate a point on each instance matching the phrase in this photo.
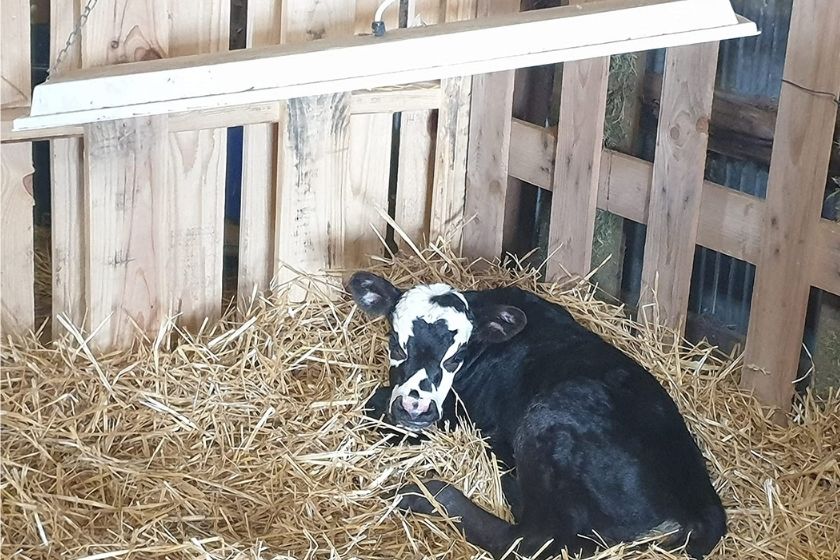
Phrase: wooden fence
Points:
(316, 173)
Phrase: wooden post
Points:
(17, 272)
(195, 186)
(126, 228)
(799, 161)
(259, 172)
(488, 154)
(677, 184)
(415, 165)
(580, 141)
(154, 201)
(450, 175)
(67, 217)
(313, 164)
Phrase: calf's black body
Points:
(596, 444)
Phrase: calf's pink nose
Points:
(416, 407)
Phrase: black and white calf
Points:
(596, 445)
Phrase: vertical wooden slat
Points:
(67, 189)
(125, 165)
(415, 173)
(17, 274)
(313, 165)
(259, 172)
(580, 141)
(450, 175)
(799, 163)
(126, 239)
(370, 167)
(488, 153)
(415, 166)
(15, 84)
(370, 164)
(196, 178)
(678, 168)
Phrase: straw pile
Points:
(246, 441)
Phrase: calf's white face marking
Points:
(419, 304)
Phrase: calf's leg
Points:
(479, 526)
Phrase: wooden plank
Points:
(125, 169)
(730, 222)
(15, 76)
(67, 204)
(416, 173)
(195, 190)
(402, 56)
(580, 141)
(488, 152)
(370, 168)
(126, 280)
(259, 172)
(408, 97)
(741, 127)
(450, 172)
(415, 163)
(371, 136)
(677, 184)
(313, 166)
(17, 272)
(801, 149)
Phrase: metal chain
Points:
(73, 37)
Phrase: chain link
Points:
(73, 37)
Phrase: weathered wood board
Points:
(580, 141)
(675, 195)
(798, 167)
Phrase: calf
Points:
(595, 445)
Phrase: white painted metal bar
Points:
(258, 75)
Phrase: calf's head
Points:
(434, 333)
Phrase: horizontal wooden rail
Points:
(402, 56)
(730, 222)
(421, 96)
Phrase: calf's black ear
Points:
(498, 323)
(374, 294)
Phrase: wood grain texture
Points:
(580, 141)
(488, 155)
(124, 167)
(370, 168)
(17, 280)
(67, 218)
(675, 195)
(450, 175)
(313, 150)
(259, 172)
(730, 222)
(798, 167)
(416, 159)
(126, 249)
(17, 273)
(15, 76)
(415, 174)
(196, 177)
(313, 173)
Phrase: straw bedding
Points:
(247, 441)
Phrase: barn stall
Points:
(164, 410)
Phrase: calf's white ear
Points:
(499, 323)
(374, 294)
